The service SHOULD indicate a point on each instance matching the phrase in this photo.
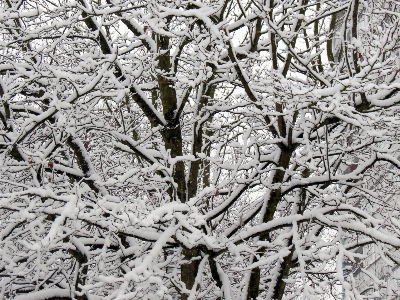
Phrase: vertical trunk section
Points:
(277, 286)
(273, 201)
(173, 141)
(197, 146)
(254, 282)
(189, 269)
(172, 136)
(81, 259)
(329, 43)
(354, 34)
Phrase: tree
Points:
(196, 149)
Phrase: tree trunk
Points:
(273, 201)
(189, 270)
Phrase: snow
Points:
(279, 152)
(45, 294)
